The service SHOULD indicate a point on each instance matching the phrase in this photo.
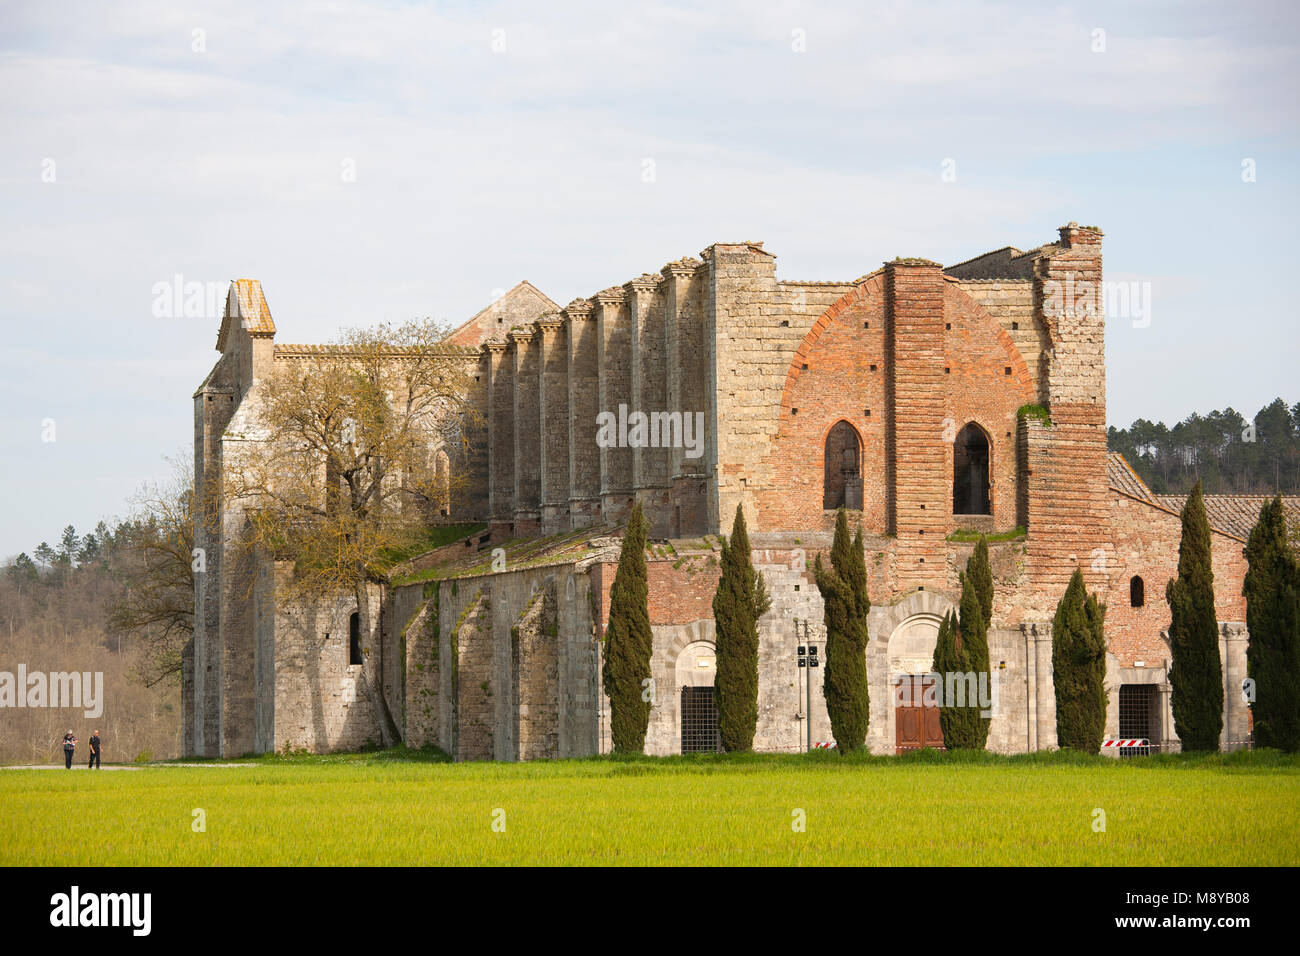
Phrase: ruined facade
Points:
(930, 402)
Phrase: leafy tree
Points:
(1272, 590)
(1196, 676)
(629, 642)
(338, 473)
(741, 599)
(1079, 667)
(843, 587)
(45, 554)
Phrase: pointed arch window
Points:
(842, 474)
(970, 472)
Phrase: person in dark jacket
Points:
(69, 745)
(94, 752)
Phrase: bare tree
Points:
(155, 566)
(341, 475)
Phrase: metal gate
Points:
(699, 721)
(1138, 715)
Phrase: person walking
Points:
(69, 745)
(94, 752)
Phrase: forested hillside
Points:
(91, 604)
(1227, 452)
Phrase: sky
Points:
(381, 161)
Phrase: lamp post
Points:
(807, 655)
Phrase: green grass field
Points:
(406, 808)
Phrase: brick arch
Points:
(861, 292)
(1019, 369)
(826, 432)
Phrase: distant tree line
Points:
(117, 600)
(1225, 452)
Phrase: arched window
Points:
(842, 479)
(1137, 595)
(354, 638)
(970, 472)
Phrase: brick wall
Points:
(920, 475)
(1145, 544)
(845, 378)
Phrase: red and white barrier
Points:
(824, 745)
(1130, 742)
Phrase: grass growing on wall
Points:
(970, 535)
(414, 808)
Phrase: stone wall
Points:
(534, 668)
(526, 671)
(472, 685)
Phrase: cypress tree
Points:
(628, 642)
(1272, 590)
(741, 599)
(1079, 668)
(946, 662)
(1196, 676)
(971, 641)
(843, 587)
(981, 575)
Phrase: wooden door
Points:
(915, 725)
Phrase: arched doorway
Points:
(696, 671)
(910, 654)
(842, 474)
(970, 472)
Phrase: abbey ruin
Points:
(932, 402)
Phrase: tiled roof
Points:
(1124, 478)
(246, 304)
(1233, 515)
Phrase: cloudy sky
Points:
(386, 160)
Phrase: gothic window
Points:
(1136, 592)
(842, 480)
(970, 472)
(354, 638)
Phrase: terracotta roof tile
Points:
(245, 304)
(1233, 515)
